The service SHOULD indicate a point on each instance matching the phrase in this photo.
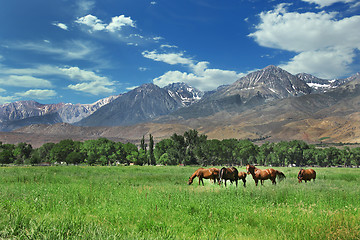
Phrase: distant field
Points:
(150, 202)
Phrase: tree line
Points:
(191, 148)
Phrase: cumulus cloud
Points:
(90, 82)
(38, 94)
(199, 75)
(95, 24)
(61, 25)
(325, 3)
(82, 75)
(24, 81)
(209, 79)
(317, 38)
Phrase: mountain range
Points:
(268, 104)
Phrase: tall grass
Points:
(156, 203)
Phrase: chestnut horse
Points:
(231, 174)
(263, 175)
(242, 176)
(210, 173)
(306, 175)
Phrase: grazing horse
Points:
(306, 175)
(231, 174)
(242, 176)
(210, 173)
(263, 175)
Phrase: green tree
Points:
(177, 152)
(192, 141)
(152, 160)
(22, 152)
(7, 153)
(62, 149)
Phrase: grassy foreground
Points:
(149, 202)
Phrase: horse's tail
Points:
(236, 173)
(280, 175)
(221, 174)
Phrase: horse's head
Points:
(190, 181)
(300, 175)
(249, 169)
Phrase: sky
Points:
(80, 51)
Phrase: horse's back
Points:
(310, 173)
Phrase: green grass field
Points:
(148, 202)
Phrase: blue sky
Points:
(80, 51)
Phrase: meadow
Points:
(155, 202)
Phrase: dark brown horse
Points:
(231, 174)
(207, 173)
(263, 175)
(306, 175)
(242, 176)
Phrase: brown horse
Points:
(306, 175)
(242, 176)
(210, 173)
(263, 175)
(231, 174)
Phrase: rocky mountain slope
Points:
(250, 110)
(22, 113)
(141, 104)
(256, 88)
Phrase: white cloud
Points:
(326, 63)
(209, 79)
(118, 22)
(82, 75)
(61, 25)
(95, 87)
(317, 38)
(7, 99)
(96, 24)
(69, 50)
(200, 75)
(153, 3)
(91, 82)
(24, 81)
(169, 58)
(92, 21)
(325, 3)
(168, 46)
(131, 88)
(38, 94)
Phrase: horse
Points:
(242, 176)
(263, 175)
(210, 173)
(231, 174)
(306, 175)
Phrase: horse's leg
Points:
(225, 182)
(236, 182)
(262, 182)
(244, 181)
(256, 182)
(274, 181)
